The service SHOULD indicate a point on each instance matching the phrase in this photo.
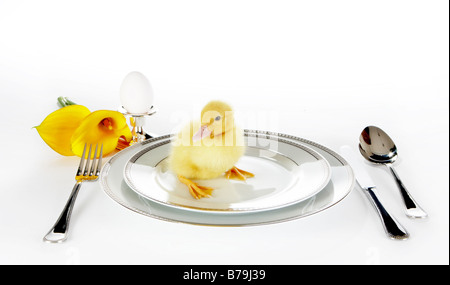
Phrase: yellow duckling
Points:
(210, 152)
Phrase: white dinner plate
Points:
(285, 173)
(341, 183)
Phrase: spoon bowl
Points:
(377, 147)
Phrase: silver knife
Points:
(392, 227)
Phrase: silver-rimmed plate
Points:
(285, 173)
(341, 183)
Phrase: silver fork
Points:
(87, 172)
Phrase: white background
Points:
(321, 70)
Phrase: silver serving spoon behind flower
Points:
(377, 147)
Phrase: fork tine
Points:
(80, 167)
(99, 164)
(86, 167)
(91, 171)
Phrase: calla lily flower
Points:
(100, 127)
(58, 127)
(68, 129)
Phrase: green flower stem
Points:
(64, 101)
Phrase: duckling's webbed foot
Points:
(196, 190)
(238, 174)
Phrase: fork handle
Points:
(60, 230)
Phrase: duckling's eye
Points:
(218, 118)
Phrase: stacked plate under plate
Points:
(294, 178)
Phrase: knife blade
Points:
(392, 227)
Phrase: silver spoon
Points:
(377, 147)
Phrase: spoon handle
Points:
(413, 210)
(393, 229)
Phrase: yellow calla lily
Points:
(68, 129)
(57, 128)
(100, 127)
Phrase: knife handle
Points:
(393, 229)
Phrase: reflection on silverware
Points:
(87, 172)
(377, 147)
(392, 228)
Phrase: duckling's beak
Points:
(202, 133)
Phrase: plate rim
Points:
(350, 185)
